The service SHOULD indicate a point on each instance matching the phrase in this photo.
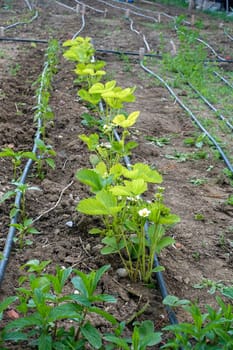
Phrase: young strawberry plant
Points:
(16, 158)
(24, 228)
(43, 110)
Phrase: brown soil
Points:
(204, 247)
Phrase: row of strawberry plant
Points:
(133, 227)
(41, 155)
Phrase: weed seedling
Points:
(159, 141)
(199, 217)
(178, 156)
(127, 66)
(14, 69)
(212, 286)
(196, 256)
(198, 141)
(198, 182)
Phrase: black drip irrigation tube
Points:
(24, 40)
(125, 9)
(131, 53)
(223, 79)
(18, 197)
(190, 113)
(211, 106)
(127, 53)
(21, 23)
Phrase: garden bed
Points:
(204, 236)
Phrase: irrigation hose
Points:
(223, 79)
(82, 26)
(125, 9)
(28, 5)
(90, 7)
(140, 34)
(64, 5)
(221, 59)
(127, 53)
(190, 113)
(22, 23)
(23, 40)
(131, 53)
(228, 35)
(209, 104)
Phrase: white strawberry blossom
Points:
(106, 145)
(107, 128)
(144, 212)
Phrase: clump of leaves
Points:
(210, 330)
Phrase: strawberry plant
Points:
(124, 214)
(24, 228)
(16, 158)
(45, 154)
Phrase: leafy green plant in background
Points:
(184, 157)
(143, 336)
(229, 174)
(14, 69)
(230, 200)
(197, 140)
(7, 4)
(197, 182)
